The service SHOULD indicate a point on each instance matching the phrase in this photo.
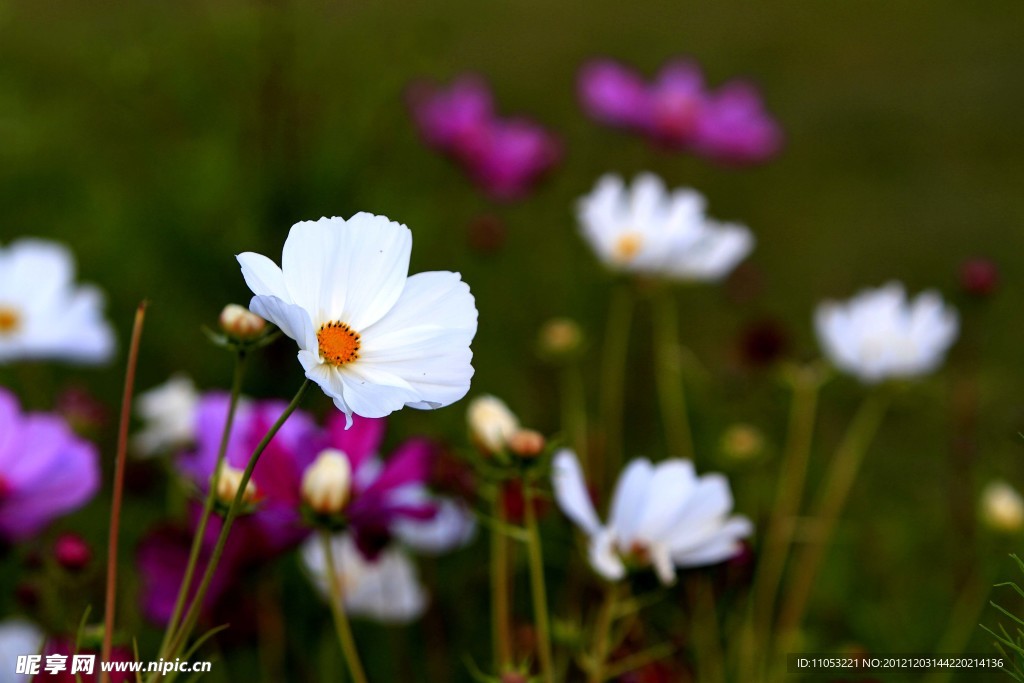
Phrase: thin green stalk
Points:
(574, 411)
(806, 384)
(710, 660)
(192, 616)
(836, 488)
(110, 608)
(211, 497)
(669, 376)
(613, 382)
(538, 588)
(341, 625)
(501, 613)
(602, 635)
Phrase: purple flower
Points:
(162, 557)
(449, 119)
(677, 111)
(614, 94)
(45, 470)
(734, 127)
(390, 498)
(278, 473)
(505, 157)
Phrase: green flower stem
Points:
(602, 635)
(538, 588)
(836, 488)
(806, 383)
(613, 382)
(669, 376)
(211, 497)
(501, 613)
(192, 616)
(341, 625)
(574, 412)
(706, 630)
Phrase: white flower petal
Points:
(604, 558)
(571, 492)
(291, 318)
(631, 498)
(263, 276)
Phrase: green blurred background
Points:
(159, 139)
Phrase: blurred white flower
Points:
(386, 590)
(452, 527)
(1002, 507)
(491, 423)
(648, 230)
(43, 313)
(662, 515)
(168, 413)
(17, 637)
(879, 334)
(372, 337)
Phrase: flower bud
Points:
(560, 338)
(742, 442)
(327, 483)
(1002, 507)
(491, 423)
(979, 277)
(238, 322)
(72, 552)
(526, 443)
(228, 483)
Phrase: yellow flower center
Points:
(339, 344)
(10, 321)
(627, 246)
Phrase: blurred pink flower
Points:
(278, 473)
(45, 469)
(677, 111)
(505, 157)
(734, 127)
(390, 499)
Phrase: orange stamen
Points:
(339, 344)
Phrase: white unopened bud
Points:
(1002, 507)
(327, 483)
(240, 323)
(491, 423)
(229, 481)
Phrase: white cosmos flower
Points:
(373, 338)
(1002, 507)
(43, 313)
(648, 230)
(387, 589)
(17, 637)
(662, 515)
(168, 413)
(879, 334)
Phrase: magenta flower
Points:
(162, 557)
(45, 469)
(677, 111)
(505, 157)
(450, 119)
(734, 127)
(278, 473)
(389, 498)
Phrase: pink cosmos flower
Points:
(677, 111)
(505, 157)
(278, 473)
(389, 498)
(46, 470)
